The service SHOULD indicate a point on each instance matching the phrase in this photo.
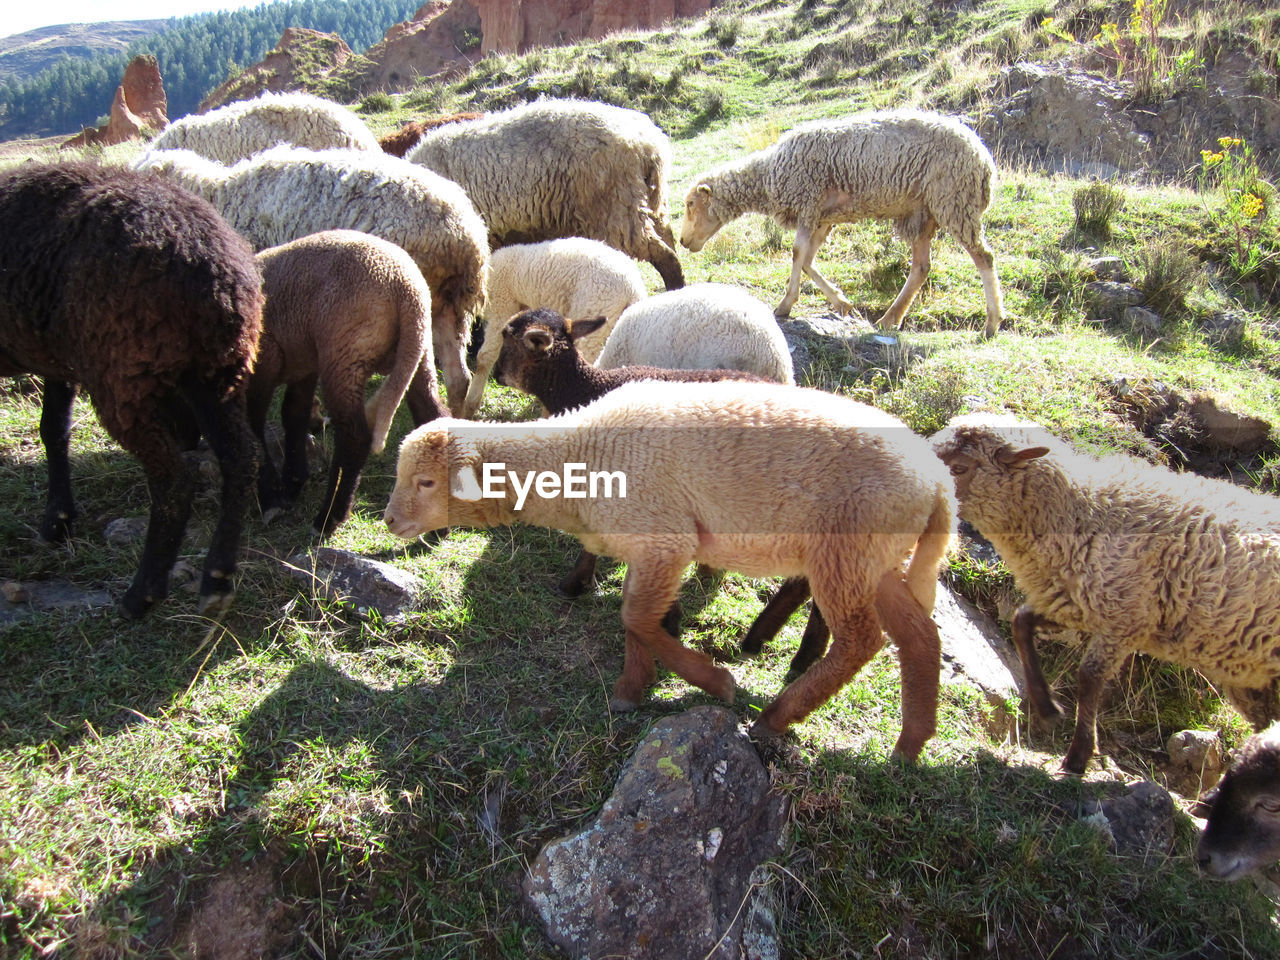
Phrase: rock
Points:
(1227, 325)
(1196, 761)
(1224, 429)
(1143, 321)
(139, 105)
(35, 596)
(1106, 300)
(369, 585)
(821, 335)
(663, 872)
(1138, 822)
(125, 530)
(974, 650)
(1109, 268)
(300, 59)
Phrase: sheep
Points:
(754, 477)
(246, 127)
(540, 356)
(1242, 834)
(399, 142)
(137, 291)
(340, 305)
(564, 168)
(1142, 559)
(287, 193)
(574, 276)
(920, 170)
(704, 326)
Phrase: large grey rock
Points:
(21, 600)
(1105, 300)
(668, 869)
(1138, 822)
(973, 649)
(369, 585)
(818, 336)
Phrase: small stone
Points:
(15, 592)
(125, 530)
(1143, 321)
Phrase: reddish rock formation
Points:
(515, 26)
(301, 56)
(140, 103)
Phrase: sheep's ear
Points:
(582, 328)
(704, 189)
(464, 484)
(1017, 458)
(537, 339)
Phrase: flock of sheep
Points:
(275, 242)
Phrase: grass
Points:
(342, 787)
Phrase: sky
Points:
(18, 16)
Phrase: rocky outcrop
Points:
(139, 104)
(299, 60)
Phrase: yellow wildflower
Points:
(1251, 205)
(1228, 142)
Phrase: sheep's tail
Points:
(415, 329)
(934, 542)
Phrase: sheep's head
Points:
(1243, 830)
(980, 452)
(536, 339)
(702, 216)
(436, 483)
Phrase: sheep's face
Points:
(420, 501)
(701, 218)
(978, 464)
(1243, 830)
(535, 339)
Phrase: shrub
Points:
(1167, 273)
(1095, 206)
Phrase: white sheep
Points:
(564, 168)
(706, 326)
(340, 306)
(755, 477)
(245, 127)
(923, 171)
(286, 193)
(1143, 560)
(574, 276)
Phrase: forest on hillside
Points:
(196, 54)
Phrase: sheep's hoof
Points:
(1073, 766)
(215, 605)
(271, 514)
(619, 704)
(726, 689)
(135, 603)
(572, 588)
(762, 731)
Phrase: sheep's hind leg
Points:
(647, 595)
(295, 418)
(1101, 661)
(55, 432)
(920, 658)
(829, 290)
(450, 348)
(920, 263)
(1258, 705)
(985, 261)
(225, 423)
(787, 600)
(352, 440)
(803, 249)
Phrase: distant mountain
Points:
(26, 54)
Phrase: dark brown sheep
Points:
(399, 142)
(134, 289)
(1242, 834)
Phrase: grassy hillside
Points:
(297, 782)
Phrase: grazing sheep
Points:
(705, 326)
(340, 306)
(246, 127)
(1144, 560)
(573, 276)
(287, 193)
(399, 142)
(1243, 830)
(920, 170)
(137, 291)
(754, 477)
(540, 356)
(564, 168)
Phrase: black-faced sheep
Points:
(705, 326)
(574, 276)
(540, 356)
(923, 171)
(340, 306)
(1143, 560)
(564, 168)
(245, 127)
(711, 474)
(1242, 834)
(287, 193)
(137, 291)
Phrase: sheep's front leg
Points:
(833, 294)
(1025, 621)
(1101, 660)
(648, 591)
(802, 252)
(920, 263)
(486, 357)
